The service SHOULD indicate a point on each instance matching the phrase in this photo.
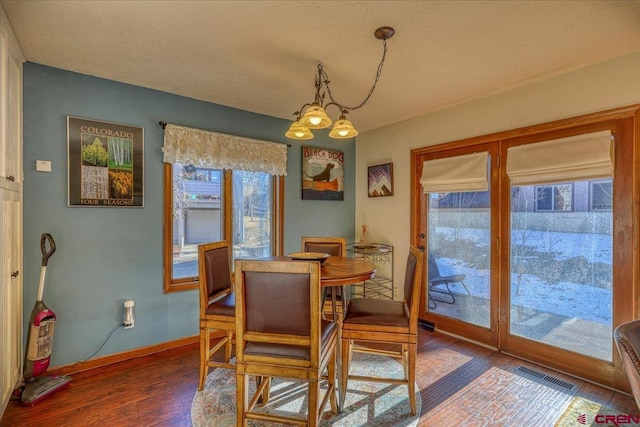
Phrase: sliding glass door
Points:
(539, 261)
(561, 265)
(458, 238)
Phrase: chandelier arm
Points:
(343, 110)
(325, 80)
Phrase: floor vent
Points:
(546, 379)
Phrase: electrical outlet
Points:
(129, 316)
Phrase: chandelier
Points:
(314, 115)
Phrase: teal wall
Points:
(107, 255)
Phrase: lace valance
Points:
(221, 151)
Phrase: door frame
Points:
(487, 336)
(624, 123)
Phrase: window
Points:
(554, 198)
(205, 205)
(601, 195)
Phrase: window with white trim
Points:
(554, 198)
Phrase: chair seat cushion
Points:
(327, 331)
(223, 307)
(369, 311)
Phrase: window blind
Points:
(467, 172)
(221, 151)
(580, 157)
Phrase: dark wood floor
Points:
(461, 384)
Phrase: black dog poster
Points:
(322, 174)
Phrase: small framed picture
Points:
(380, 180)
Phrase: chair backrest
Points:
(627, 338)
(278, 310)
(214, 272)
(413, 285)
(336, 246)
(433, 270)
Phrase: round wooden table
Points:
(339, 271)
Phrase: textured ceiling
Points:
(261, 56)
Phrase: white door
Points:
(10, 292)
(11, 60)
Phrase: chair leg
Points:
(266, 393)
(228, 346)
(204, 356)
(242, 398)
(331, 373)
(313, 413)
(465, 287)
(413, 349)
(431, 300)
(448, 291)
(405, 360)
(324, 295)
(346, 361)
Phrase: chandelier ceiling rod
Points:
(383, 34)
(314, 116)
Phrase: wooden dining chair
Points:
(217, 305)
(280, 333)
(334, 246)
(377, 321)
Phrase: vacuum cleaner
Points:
(39, 343)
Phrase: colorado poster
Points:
(105, 163)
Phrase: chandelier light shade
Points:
(343, 129)
(314, 115)
(297, 131)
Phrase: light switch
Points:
(43, 166)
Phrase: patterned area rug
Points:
(366, 403)
(584, 412)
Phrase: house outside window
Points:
(206, 205)
(554, 198)
(601, 195)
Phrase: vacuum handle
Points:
(43, 246)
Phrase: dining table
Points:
(341, 271)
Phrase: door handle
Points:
(15, 274)
(422, 235)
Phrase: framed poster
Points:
(380, 180)
(105, 163)
(322, 174)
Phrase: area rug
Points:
(366, 403)
(584, 412)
